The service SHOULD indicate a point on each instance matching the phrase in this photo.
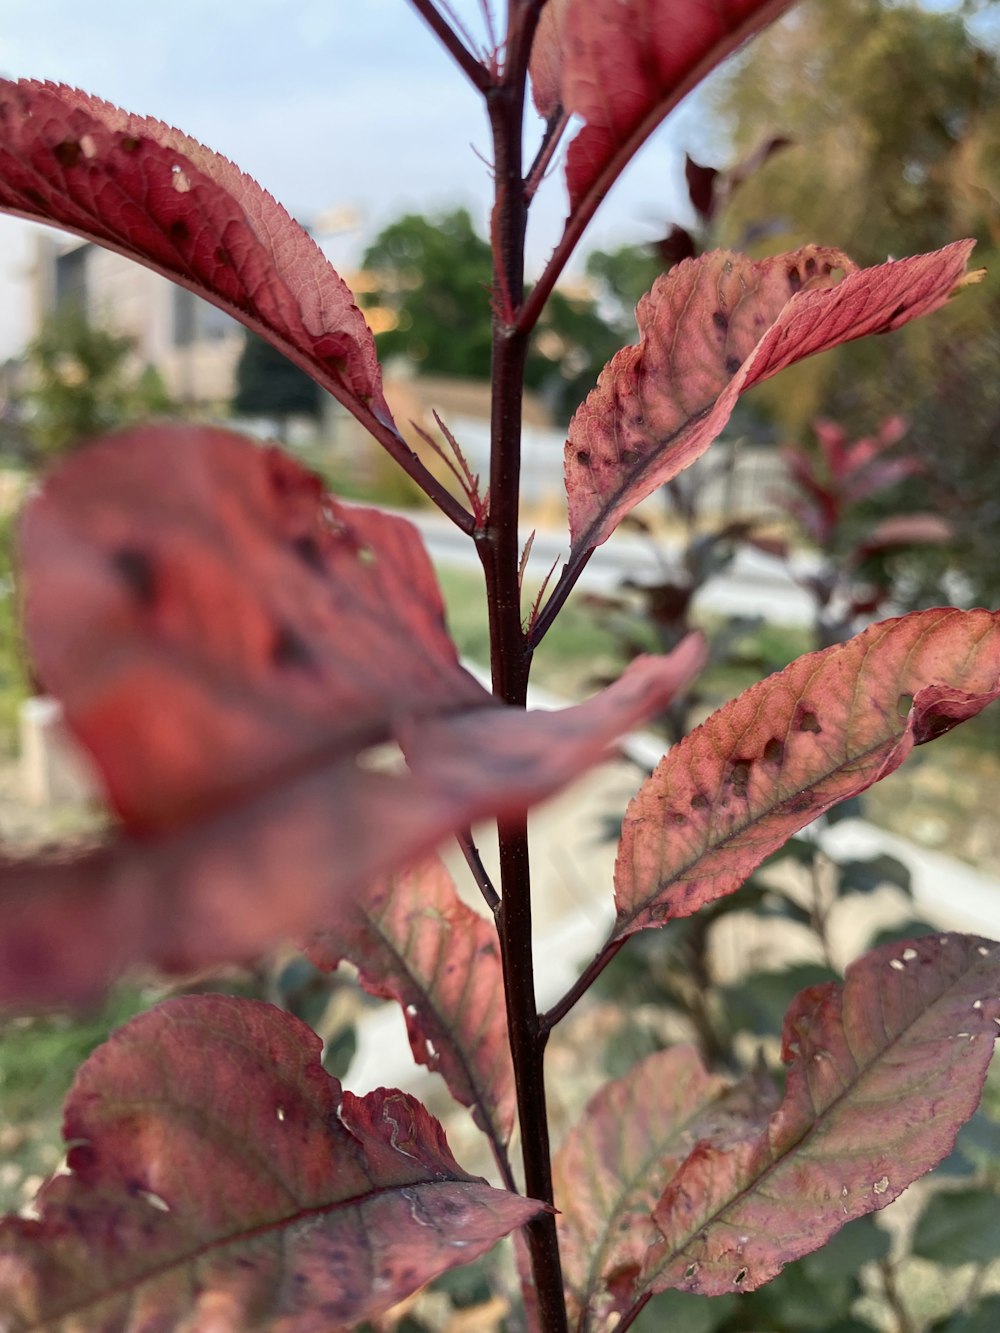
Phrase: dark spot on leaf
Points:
(798, 805)
(307, 549)
(583, 458)
(138, 572)
(739, 776)
(67, 153)
(721, 320)
(733, 364)
(678, 818)
(630, 456)
(810, 265)
(289, 649)
(900, 310)
(699, 801)
(36, 197)
(129, 143)
(179, 230)
(774, 752)
(741, 1276)
(794, 278)
(223, 257)
(806, 720)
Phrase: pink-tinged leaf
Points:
(413, 940)
(612, 1169)
(709, 330)
(229, 643)
(547, 56)
(151, 193)
(651, 53)
(789, 748)
(882, 1073)
(220, 1178)
(907, 530)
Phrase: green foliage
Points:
(429, 296)
(269, 385)
(84, 383)
(892, 107)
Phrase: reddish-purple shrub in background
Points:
(230, 644)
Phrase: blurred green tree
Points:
(83, 384)
(269, 385)
(892, 108)
(425, 300)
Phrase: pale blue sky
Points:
(326, 102)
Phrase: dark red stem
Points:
(510, 654)
(582, 984)
(474, 69)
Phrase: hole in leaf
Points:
(178, 179)
(806, 720)
(903, 705)
(280, 1113)
(774, 752)
(909, 955)
(794, 278)
(897, 965)
(741, 1276)
(881, 1185)
(690, 1270)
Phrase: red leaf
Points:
(710, 329)
(650, 52)
(229, 643)
(413, 940)
(218, 1177)
(883, 1073)
(906, 530)
(789, 748)
(547, 55)
(151, 193)
(614, 1165)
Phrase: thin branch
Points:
(474, 69)
(629, 1318)
(478, 502)
(456, 21)
(567, 582)
(554, 130)
(391, 440)
(580, 987)
(523, 563)
(479, 872)
(533, 615)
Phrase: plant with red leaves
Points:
(234, 647)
